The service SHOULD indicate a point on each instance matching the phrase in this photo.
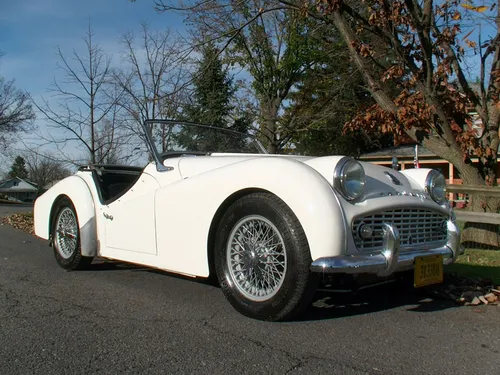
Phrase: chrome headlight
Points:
(435, 185)
(349, 178)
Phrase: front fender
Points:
(185, 209)
(77, 190)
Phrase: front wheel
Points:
(262, 259)
(66, 238)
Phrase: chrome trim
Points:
(423, 196)
(390, 248)
(344, 218)
(390, 259)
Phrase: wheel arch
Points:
(217, 218)
(80, 196)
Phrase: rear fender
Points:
(77, 190)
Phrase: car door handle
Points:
(107, 216)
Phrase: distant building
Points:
(19, 190)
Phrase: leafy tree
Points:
(18, 168)
(328, 95)
(270, 44)
(213, 90)
(428, 43)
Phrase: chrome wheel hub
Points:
(256, 258)
(66, 234)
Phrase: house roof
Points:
(398, 151)
(17, 184)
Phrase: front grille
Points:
(416, 227)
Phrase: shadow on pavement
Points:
(325, 304)
(329, 305)
(111, 265)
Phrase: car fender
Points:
(186, 209)
(77, 190)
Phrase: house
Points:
(19, 190)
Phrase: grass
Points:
(478, 263)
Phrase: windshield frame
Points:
(157, 156)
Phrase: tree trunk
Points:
(269, 113)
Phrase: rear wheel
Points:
(66, 238)
(262, 259)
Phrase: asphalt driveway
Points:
(124, 319)
(8, 209)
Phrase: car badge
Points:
(391, 177)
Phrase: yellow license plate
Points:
(428, 270)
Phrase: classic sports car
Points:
(269, 228)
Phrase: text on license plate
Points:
(428, 270)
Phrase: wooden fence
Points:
(484, 225)
(477, 217)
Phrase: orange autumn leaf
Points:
(468, 6)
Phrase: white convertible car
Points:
(269, 228)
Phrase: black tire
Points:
(66, 241)
(297, 284)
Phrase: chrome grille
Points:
(416, 227)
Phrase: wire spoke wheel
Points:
(256, 258)
(66, 233)
(262, 258)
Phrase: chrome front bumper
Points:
(389, 260)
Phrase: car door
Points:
(129, 221)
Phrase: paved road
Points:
(119, 319)
(8, 209)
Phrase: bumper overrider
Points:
(390, 259)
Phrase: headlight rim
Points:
(431, 176)
(339, 178)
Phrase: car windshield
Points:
(172, 138)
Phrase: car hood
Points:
(378, 179)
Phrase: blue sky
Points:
(31, 31)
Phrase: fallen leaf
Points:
(483, 300)
(476, 301)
